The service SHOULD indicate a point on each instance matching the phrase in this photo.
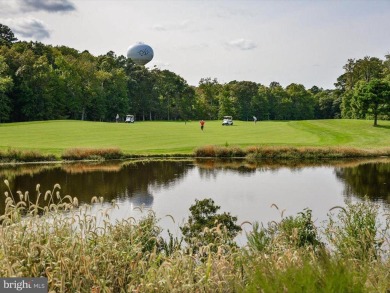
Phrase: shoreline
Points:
(253, 153)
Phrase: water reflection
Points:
(139, 182)
(120, 181)
(370, 180)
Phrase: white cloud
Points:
(242, 44)
(172, 26)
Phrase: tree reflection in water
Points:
(370, 180)
(135, 181)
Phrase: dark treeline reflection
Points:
(130, 181)
(370, 180)
(134, 181)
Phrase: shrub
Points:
(259, 238)
(205, 226)
(299, 231)
(290, 232)
(354, 234)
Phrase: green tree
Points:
(205, 226)
(350, 77)
(243, 93)
(356, 71)
(386, 69)
(82, 85)
(327, 106)
(373, 98)
(207, 98)
(302, 102)
(369, 68)
(260, 103)
(6, 84)
(141, 91)
(278, 110)
(6, 36)
(116, 93)
(226, 103)
(175, 95)
(113, 86)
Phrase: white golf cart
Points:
(227, 120)
(129, 119)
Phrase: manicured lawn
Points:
(53, 137)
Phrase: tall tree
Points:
(207, 97)
(373, 97)
(278, 100)
(326, 107)
(386, 69)
(302, 102)
(6, 84)
(244, 92)
(227, 104)
(6, 36)
(260, 103)
(175, 95)
(142, 92)
(369, 68)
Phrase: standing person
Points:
(254, 119)
(201, 124)
(117, 118)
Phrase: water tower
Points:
(140, 53)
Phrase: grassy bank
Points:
(291, 153)
(157, 138)
(77, 252)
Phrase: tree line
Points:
(44, 82)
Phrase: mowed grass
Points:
(157, 137)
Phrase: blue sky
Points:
(306, 42)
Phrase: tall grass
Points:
(14, 155)
(92, 154)
(80, 249)
(286, 152)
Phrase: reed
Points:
(15, 155)
(80, 249)
(92, 154)
(287, 152)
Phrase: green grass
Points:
(152, 138)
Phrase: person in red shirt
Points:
(201, 124)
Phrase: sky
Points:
(291, 41)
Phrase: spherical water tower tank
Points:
(140, 53)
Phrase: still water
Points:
(246, 190)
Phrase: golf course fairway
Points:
(159, 137)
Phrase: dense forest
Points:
(44, 82)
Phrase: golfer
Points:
(201, 124)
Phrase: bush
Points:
(205, 226)
(355, 231)
(290, 233)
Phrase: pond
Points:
(249, 190)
